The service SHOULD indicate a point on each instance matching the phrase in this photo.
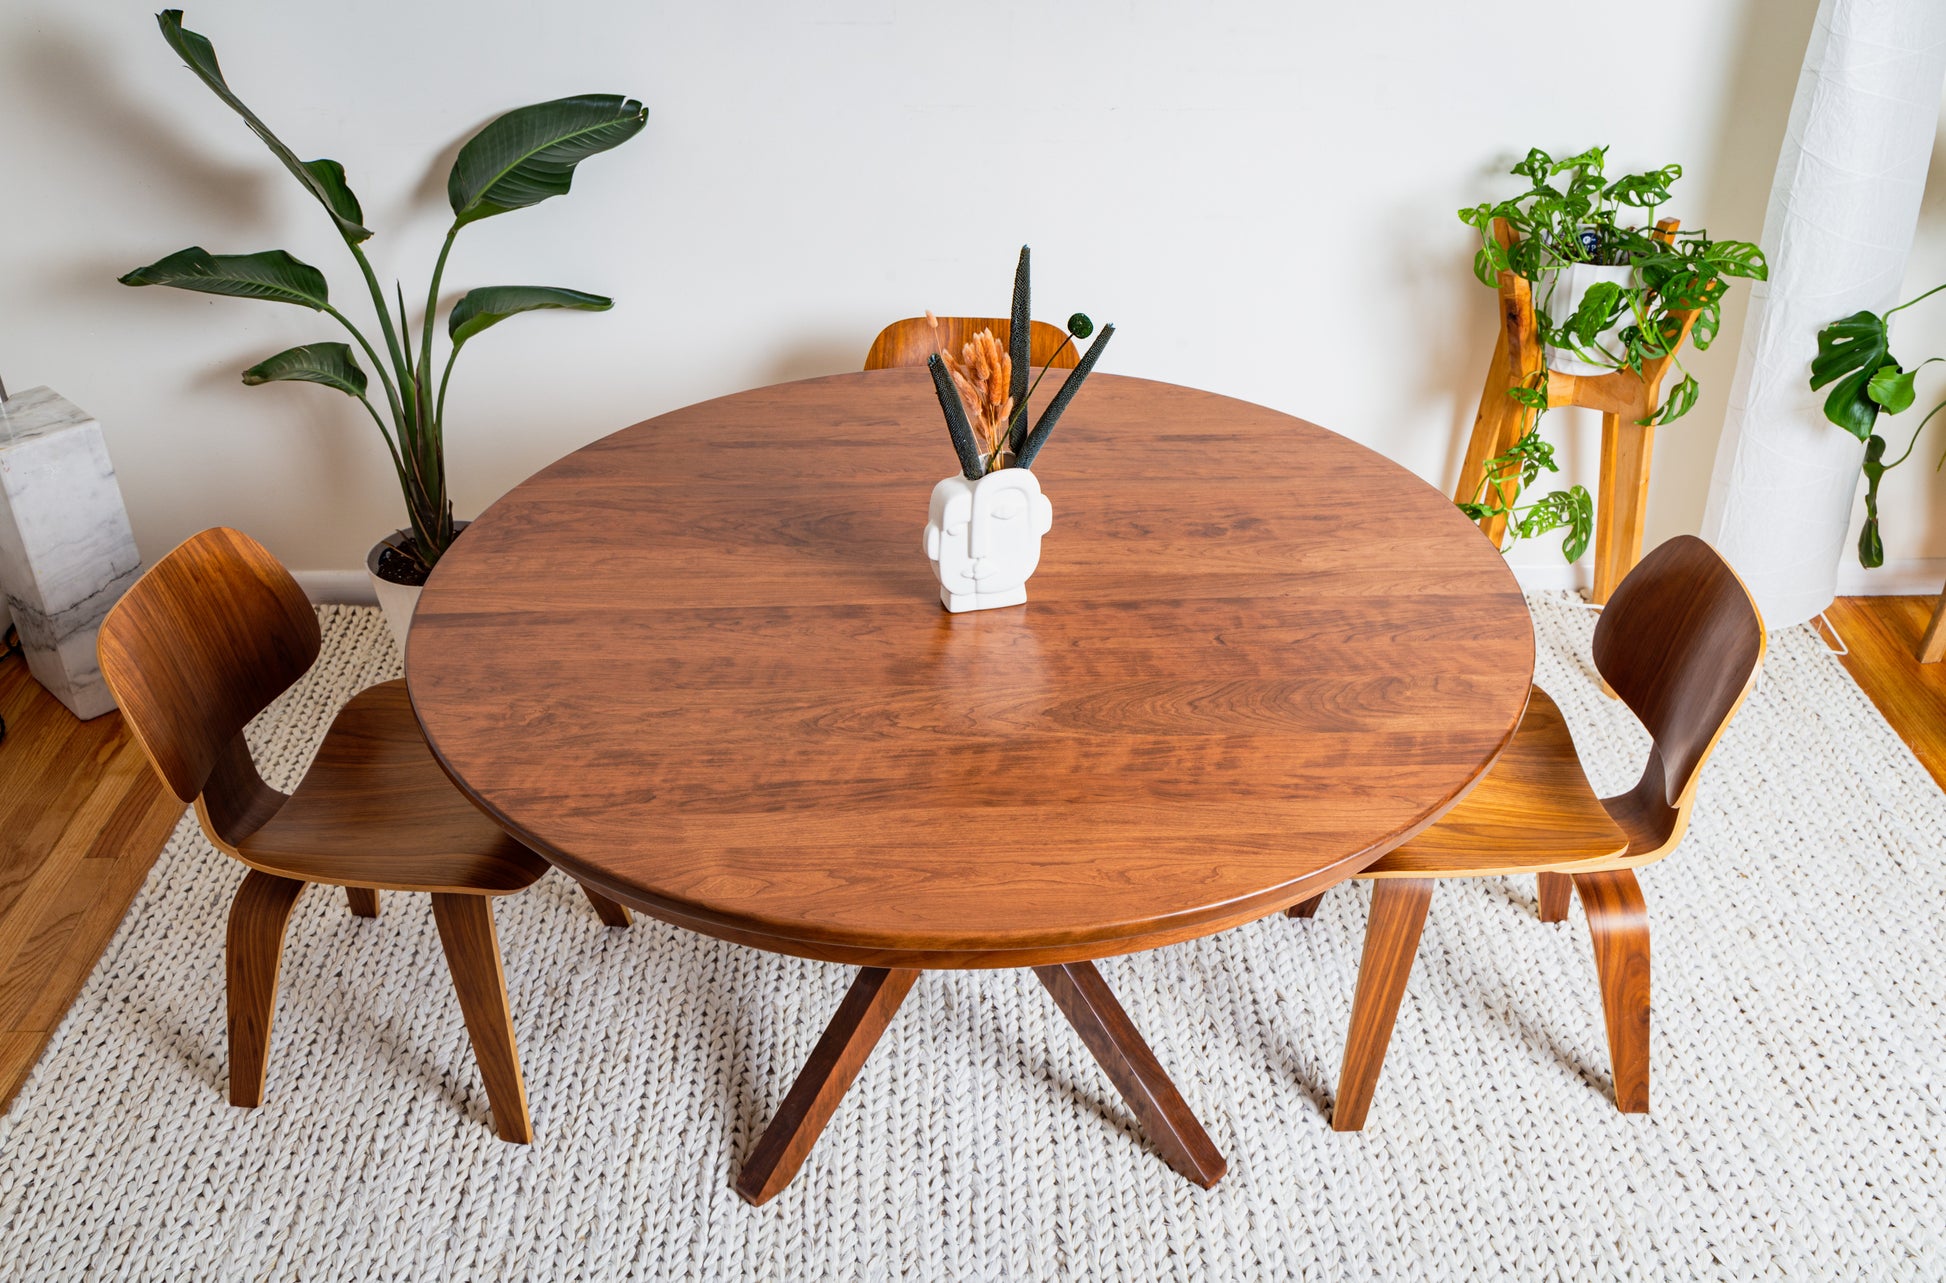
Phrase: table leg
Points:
(868, 1008)
(1089, 1005)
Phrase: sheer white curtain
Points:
(1843, 208)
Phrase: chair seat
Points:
(1535, 810)
(377, 811)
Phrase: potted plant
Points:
(1611, 292)
(1855, 361)
(518, 160)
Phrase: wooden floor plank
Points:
(37, 903)
(82, 818)
(1882, 634)
(114, 887)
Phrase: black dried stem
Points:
(1024, 457)
(1020, 353)
(961, 431)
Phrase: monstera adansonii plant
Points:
(518, 160)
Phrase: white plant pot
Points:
(984, 538)
(398, 601)
(1561, 293)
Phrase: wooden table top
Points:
(701, 665)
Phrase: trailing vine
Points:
(1572, 509)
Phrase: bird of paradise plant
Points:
(517, 160)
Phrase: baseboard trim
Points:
(1913, 577)
(336, 587)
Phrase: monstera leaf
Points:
(271, 274)
(491, 304)
(1893, 388)
(328, 363)
(530, 153)
(324, 179)
(1852, 354)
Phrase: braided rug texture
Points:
(1800, 985)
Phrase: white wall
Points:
(1261, 195)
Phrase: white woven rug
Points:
(1800, 983)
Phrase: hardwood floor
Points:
(1883, 636)
(82, 817)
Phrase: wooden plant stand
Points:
(1623, 397)
(1932, 647)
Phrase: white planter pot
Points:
(984, 538)
(398, 601)
(1561, 293)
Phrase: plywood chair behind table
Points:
(203, 643)
(1680, 642)
(911, 341)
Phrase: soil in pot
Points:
(394, 567)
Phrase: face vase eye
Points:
(1009, 505)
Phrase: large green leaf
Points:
(271, 274)
(491, 304)
(331, 364)
(324, 179)
(1573, 509)
(1851, 352)
(1893, 388)
(1679, 401)
(530, 153)
(1599, 309)
(1737, 258)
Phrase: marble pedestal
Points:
(66, 552)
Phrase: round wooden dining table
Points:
(702, 666)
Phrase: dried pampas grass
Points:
(983, 375)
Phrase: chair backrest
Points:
(202, 643)
(911, 341)
(1681, 642)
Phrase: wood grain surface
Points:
(1881, 637)
(846, 1044)
(82, 818)
(1391, 944)
(701, 665)
(1118, 1047)
(1534, 810)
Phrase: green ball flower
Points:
(1080, 326)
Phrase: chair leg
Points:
(1619, 921)
(473, 956)
(1305, 908)
(1391, 943)
(611, 913)
(1557, 892)
(252, 957)
(363, 901)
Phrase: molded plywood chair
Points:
(911, 341)
(1680, 642)
(203, 643)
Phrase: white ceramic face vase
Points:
(984, 537)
